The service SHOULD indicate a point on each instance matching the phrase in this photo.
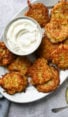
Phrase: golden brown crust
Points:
(20, 64)
(44, 77)
(40, 72)
(39, 12)
(60, 10)
(6, 57)
(60, 56)
(57, 28)
(13, 82)
(66, 42)
(54, 47)
(46, 48)
(57, 31)
(52, 84)
(48, 87)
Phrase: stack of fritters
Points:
(53, 49)
(14, 81)
(55, 53)
(54, 46)
(44, 77)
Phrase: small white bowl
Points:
(22, 36)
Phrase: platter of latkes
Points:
(28, 78)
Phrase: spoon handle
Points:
(55, 110)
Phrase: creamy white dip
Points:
(23, 36)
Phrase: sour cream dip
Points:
(23, 36)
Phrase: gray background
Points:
(41, 108)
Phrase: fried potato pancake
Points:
(57, 31)
(60, 56)
(52, 84)
(66, 42)
(6, 57)
(57, 28)
(13, 82)
(39, 12)
(20, 64)
(60, 10)
(40, 72)
(46, 48)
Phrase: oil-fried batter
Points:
(60, 56)
(39, 12)
(66, 42)
(52, 84)
(57, 28)
(60, 10)
(20, 64)
(40, 72)
(57, 31)
(46, 48)
(13, 82)
(6, 57)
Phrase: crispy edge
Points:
(39, 12)
(40, 72)
(51, 85)
(60, 56)
(20, 64)
(6, 56)
(46, 48)
(57, 31)
(7, 82)
(59, 10)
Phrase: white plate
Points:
(31, 93)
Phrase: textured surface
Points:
(4, 107)
(41, 108)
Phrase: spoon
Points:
(55, 110)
